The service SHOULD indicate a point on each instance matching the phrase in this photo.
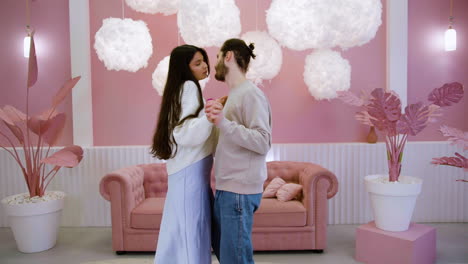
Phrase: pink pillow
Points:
(270, 190)
(288, 192)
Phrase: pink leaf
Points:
(49, 113)
(38, 125)
(16, 132)
(14, 114)
(64, 91)
(434, 111)
(447, 95)
(455, 136)
(459, 161)
(5, 117)
(364, 118)
(350, 98)
(56, 125)
(32, 63)
(414, 120)
(384, 109)
(67, 157)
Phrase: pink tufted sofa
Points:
(136, 196)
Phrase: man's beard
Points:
(221, 71)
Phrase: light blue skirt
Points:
(185, 232)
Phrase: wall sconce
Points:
(450, 33)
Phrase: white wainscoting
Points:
(442, 199)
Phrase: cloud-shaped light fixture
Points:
(160, 76)
(319, 24)
(325, 73)
(207, 23)
(269, 56)
(123, 44)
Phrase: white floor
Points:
(80, 245)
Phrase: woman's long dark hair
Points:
(169, 114)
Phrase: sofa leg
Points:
(318, 251)
(120, 252)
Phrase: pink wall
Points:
(51, 22)
(126, 106)
(430, 66)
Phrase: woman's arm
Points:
(193, 131)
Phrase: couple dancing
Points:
(188, 134)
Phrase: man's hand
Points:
(222, 100)
(214, 111)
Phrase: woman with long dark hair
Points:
(183, 137)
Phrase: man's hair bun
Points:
(251, 48)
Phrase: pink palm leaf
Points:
(455, 136)
(448, 94)
(350, 98)
(434, 113)
(459, 161)
(414, 120)
(384, 110)
(364, 118)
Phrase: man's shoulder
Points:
(250, 88)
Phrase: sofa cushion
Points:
(148, 214)
(288, 192)
(272, 188)
(273, 213)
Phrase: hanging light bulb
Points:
(26, 45)
(450, 33)
(450, 39)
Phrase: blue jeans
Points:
(232, 226)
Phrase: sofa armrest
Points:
(319, 184)
(124, 189)
(309, 178)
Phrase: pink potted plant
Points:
(35, 216)
(460, 139)
(393, 196)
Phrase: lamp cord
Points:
(28, 19)
(123, 10)
(451, 7)
(256, 15)
(451, 13)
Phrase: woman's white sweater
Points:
(194, 137)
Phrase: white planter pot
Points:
(35, 225)
(393, 202)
